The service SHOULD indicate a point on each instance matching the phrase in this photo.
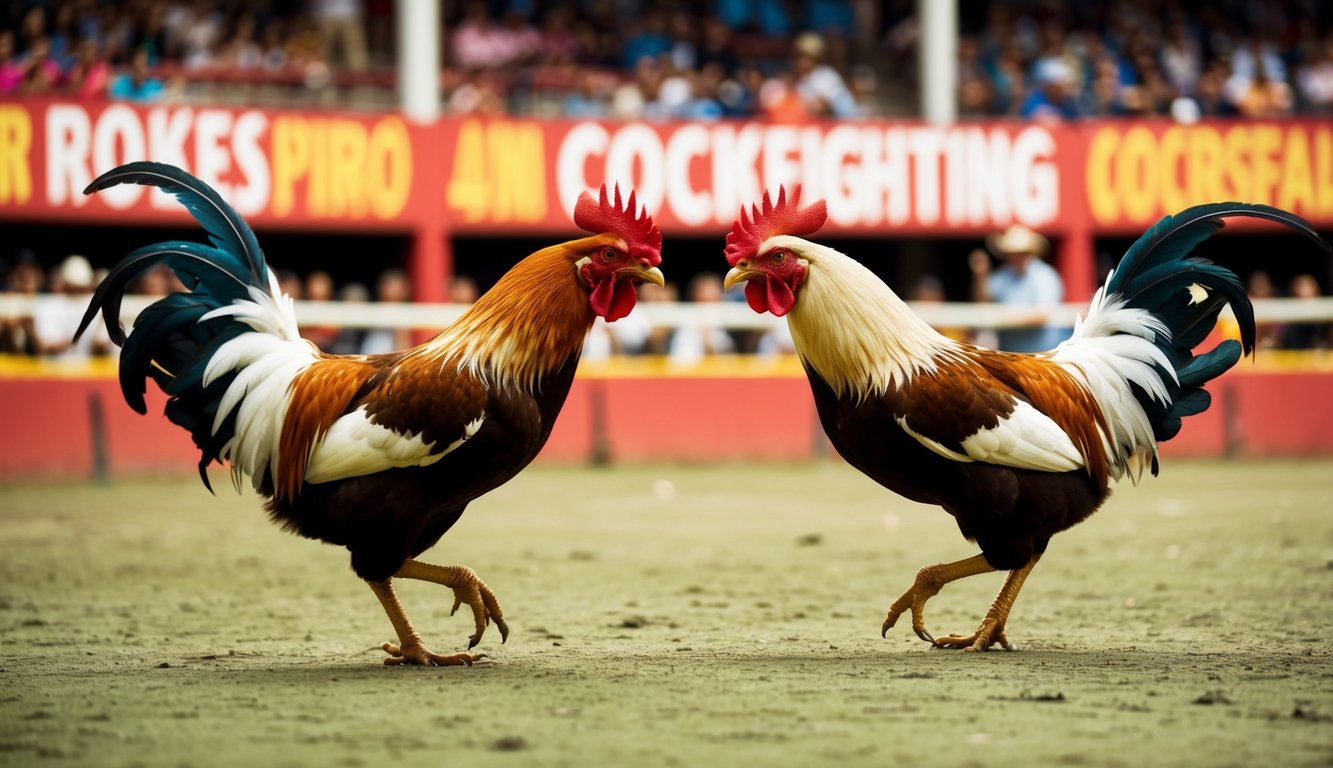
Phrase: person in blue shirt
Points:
(1055, 96)
(138, 84)
(1023, 279)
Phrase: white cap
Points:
(75, 270)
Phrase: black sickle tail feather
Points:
(170, 342)
(1187, 294)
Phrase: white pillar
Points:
(419, 58)
(938, 52)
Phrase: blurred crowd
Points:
(141, 50)
(586, 58)
(1177, 58)
(60, 295)
(782, 60)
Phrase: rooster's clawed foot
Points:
(991, 632)
(420, 655)
(472, 591)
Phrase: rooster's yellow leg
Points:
(929, 581)
(468, 588)
(410, 650)
(991, 630)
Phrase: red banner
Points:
(295, 169)
(308, 170)
(1136, 172)
(898, 177)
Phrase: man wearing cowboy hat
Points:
(1022, 279)
(56, 317)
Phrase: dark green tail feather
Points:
(169, 343)
(1156, 274)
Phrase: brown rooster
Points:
(1016, 447)
(377, 453)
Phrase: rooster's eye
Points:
(779, 257)
(609, 254)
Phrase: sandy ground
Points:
(674, 616)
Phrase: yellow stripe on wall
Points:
(659, 367)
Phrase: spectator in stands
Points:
(693, 342)
(319, 288)
(1314, 79)
(768, 17)
(1152, 94)
(976, 94)
(476, 41)
(151, 33)
(1022, 280)
(522, 40)
(597, 345)
(1260, 286)
(684, 53)
(1263, 96)
(158, 281)
(462, 291)
(587, 100)
(1211, 96)
(289, 284)
(821, 88)
(17, 335)
(1182, 56)
(835, 18)
(1055, 97)
(41, 73)
(273, 47)
(1257, 58)
(64, 37)
(342, 26)
(90, 75)
(392, 288)
(717, 46)
(638, 98)
(305, 49)
(647, 39)
(775, 342)
(929, 289)
(559, 38)
(739, 95)
(630, 335)
(659, 336)
(1305, 287)
(138, 84)
(684, 95)
(11, 66)
(242, 49)
(194, 33)
(1105, 91)
(351, 340)
(478, 95)
(57, 316)
(1010, 82)
(31, 26)
(780, 102)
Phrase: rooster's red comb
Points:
(786, 217)
(638, 231)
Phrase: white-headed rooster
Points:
(1016, 447)
(377, 453)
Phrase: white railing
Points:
(733, 315)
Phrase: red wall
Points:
(46, 423)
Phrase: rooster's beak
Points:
(645, 274)
(739, 274)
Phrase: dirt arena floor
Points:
(674, 616)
